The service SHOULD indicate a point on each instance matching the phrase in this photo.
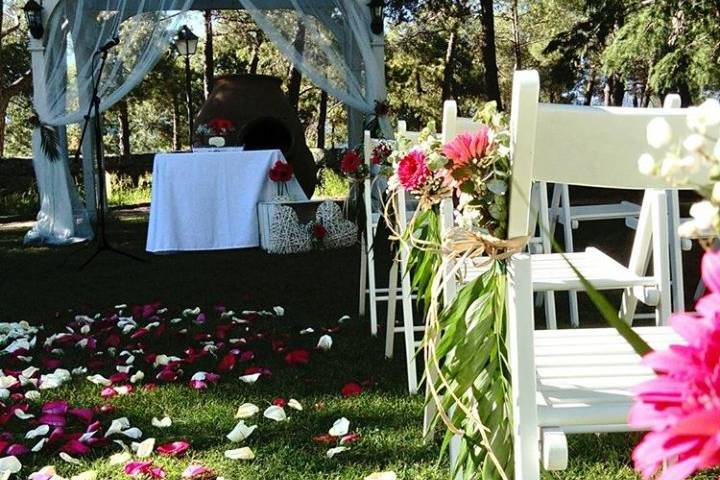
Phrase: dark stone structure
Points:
(263, 119)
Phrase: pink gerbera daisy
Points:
(467, 147)
(681, 406)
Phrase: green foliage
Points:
(22, 203)
(332, 185)
(123, 191)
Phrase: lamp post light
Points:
(377, 16)
(186, 44)
(33, 14)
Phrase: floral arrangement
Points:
(353, 166)
(682, 404)
(216, 127)
(474, 170)
(281, 173)
(381, 153)
(693, 163)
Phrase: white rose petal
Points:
(117, 426)
(22, 415)
(137, 376)
(247, 410)
(344, 319)
(10, 464)
(40, 431)
(44, 472)
(275, 412)
(39, 445)
(165, 422)
(306, 331)
(89, 475)
(32, 395)
(244, 453)
(294, 404)
(325, 343)
(69, 459)
(240, 432)
(694, 142)
(143, 449)
(340, 427)
(250, 378)
(334, 451)
(382, 476)
(120, 458)
(133, 433)
(659, 132)
(99, 380)
(279, 311)
(4, 393)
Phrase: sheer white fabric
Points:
(337, 54)
(75, 31)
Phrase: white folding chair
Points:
(398, 270)
(569, 216)
(579, 380)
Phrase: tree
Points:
(488, 50)
(208, 53)
(295, 77)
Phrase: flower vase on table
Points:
(215, 132)
(281, 173)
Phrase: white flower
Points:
(334, 451)
(165, 422)
(10, 464)
(294, 404)
(275, 412)
(240, 432)
(382, 476)
(244, 453)
(143, 449)
(646, 164)
(703, 116)
(694, 142)
(704, 213)
(325, 343)
(340, 427)
(249, 378)
(247, 410)
(659, 132)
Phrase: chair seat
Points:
(585, 377)
(610, 211)
(551, 272)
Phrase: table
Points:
(208, 200)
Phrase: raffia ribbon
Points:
(463, 243)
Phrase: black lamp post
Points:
(377, 16)
(186, 45)
(33, 14)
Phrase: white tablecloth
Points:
(208, 200)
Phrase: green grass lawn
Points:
(40, 284)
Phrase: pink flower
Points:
(198, 472)
(146, 469)
(681, 406)
(467, 147)
(173, 449)
(413, 170)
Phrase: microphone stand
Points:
(102, 243)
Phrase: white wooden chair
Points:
(399, 270)
(579, 380)
(569, 216)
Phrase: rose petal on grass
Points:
(143, 449)
(134, 433)
(335, 450)
(174, 449)
(198, 472)
(276, 413)
(240, 432)
(244, 453)
(164, 422)
(70, 459)
(118, 458)
(325, 343)
(88, 475)
(381, 476)
(10, 464)
(40, 431)
(252, 378)
(247, 410)
(340, 427)
(351, 389)
(294, 404)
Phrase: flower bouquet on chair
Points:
(281, 173)
(354, 169)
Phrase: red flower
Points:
(221, 125)
(350, 162)
(281, 172)
(297, 357)
(280, 402)
(324, 439)
(319, 231)
(413, 170)
(351, 389)
(380, 153)
(227, 363)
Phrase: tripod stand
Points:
(101, 240)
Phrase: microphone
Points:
(110, 44)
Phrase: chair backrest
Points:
(577, 145)
(453, 125)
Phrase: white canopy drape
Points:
(338, 56)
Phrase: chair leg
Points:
(555, 207)
(639, 256)
(569, 247)
(408, 324)
(363, 279)
(661, 256)
(390, 330)
(544, 224)
(372, 288)
(676, 263)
